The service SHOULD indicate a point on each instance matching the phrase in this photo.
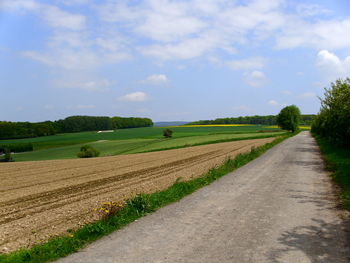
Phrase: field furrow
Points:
(46, 198)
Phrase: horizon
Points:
(150, 118)
(166, 60)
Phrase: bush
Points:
(7, 156)
(289, 118)
(167, 133)
(87, 151)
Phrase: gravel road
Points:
(279, 208)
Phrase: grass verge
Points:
(135, 208)
(338, 162)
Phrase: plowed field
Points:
(46, 198)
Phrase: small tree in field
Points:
(289, 118)
(167, 133)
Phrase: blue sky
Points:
(168, 60)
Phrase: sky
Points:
(169, 60)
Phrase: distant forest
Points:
(17, 130)
(264, 120)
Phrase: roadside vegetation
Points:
(331, 129)
(338, 163)
(129, 211)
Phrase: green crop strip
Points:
(211, 142)
(135, 208)
(338, 162)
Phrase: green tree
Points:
(167, 133)
(333, 121)
(289, 118)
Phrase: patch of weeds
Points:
(140, 204)
(109, 209)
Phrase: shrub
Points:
(289, 118)
(167, 133)
(7, 156)
(87, 151)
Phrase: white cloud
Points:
(69, 59)
(99, 85)
(276, 103)
(312, 10)
(74, 2)
(187, 49)
(273, 102)
(331, 66)
(134, 97)
(308, 95)
(323, 34)
(53, 15)
(255, 78)
(189, 29)
(19, 5)
(155, 79)
(66, 58)
(56, 17)
(246, 64)
(178, 30)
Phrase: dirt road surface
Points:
(46, 198)
(279, 208)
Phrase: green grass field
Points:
(66, 146)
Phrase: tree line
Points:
(17, 130)
(305, 119)
(333, 120)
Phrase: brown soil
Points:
(42, 199)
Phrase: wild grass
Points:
(338, 162)
(134, 208)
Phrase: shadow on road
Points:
(308, 149)
(322, 200)
(314, 165)
(321, 242)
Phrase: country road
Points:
(280, 207)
